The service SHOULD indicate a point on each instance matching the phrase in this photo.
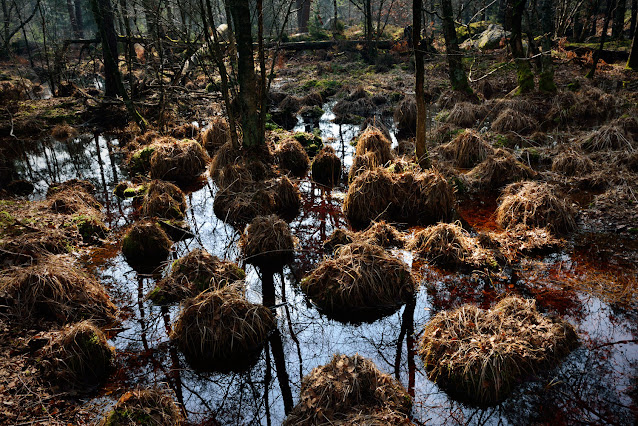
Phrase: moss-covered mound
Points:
(54, 289)
(479, 356)
(221, 331)
(145, 245)
(347, 390)
(415, 198)
(535, 205)
(144, 407)
(362, 282)
(78, 357)
(196, 272)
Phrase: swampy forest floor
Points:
(568, 240)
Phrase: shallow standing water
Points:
(591, 386)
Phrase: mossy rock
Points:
(140, 162)
(90, 228)
(311, 143)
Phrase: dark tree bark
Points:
(603, 37)
(513, 18)
(546, 80)
(458, 77)
(632, 63)
(79, 18)
(240, 12)
(634, 16)
(421, 110)
(367, 11)
(71, 11)
(619, 20)
(303, 15)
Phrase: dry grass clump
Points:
(511, 120)
(572, 163)
(463, 114)
(220, 330)
(78, 356)
(77, 185)
(287, 197)
(144, 407)
(535, 205)
(607, 138)
(178, 161)
(257, 161)
(268, 243)
(449, 245)
(339, 237)
(292, 157)
(63, 132)
(405, 115)
(373, 140)
(378, 233)
(361, 282)
(348, 388)
(591, 104)
(55, 289)
(164, 200)
(145, 245)
(216, 134)
(147, 138)
(408, 197)
(186, 131)
(498, 170)
(361, 163)
(467, 149)
(480, 355)
(521, 240)
(196, 272)
(326, 167)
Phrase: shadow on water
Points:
(591, 386)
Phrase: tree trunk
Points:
(619, 20)
(368, 29)
(303, 15)
(334, 22)
(5, 26)
(71, 11)
(458, 78)
(240, 12)
(513, 18)
(634, 16)
(79, 18)
(632, 63)
(603, 37)
(421, 111)
(546, 80)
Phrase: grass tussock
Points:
(196, 272)
(372, 140)
(63, 132)
(512, 120)
(520, 240)
(349, 389)
(479, 356)
(405, 115)
(220, 330)
(78, 357)
(326, 167)
(268, 243)
(409, 197)
(164, 200)
(54, 289)
(292, 157)
(378, 233)
(498, 170)
(178, 161)
(449, 245)
(145, 245)
(463, 114)
(607, 138)
(572, 163)
(186, 131)
(361, 163)
(535, 205)
(256, 161)
(144, 407)
(362, 281)
(467, 149)
(216, 134)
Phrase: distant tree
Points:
(458, 77)
(617, 29)
(13, 21)
(303, 15)
(632, 63)
(546, 80)
(421, 111)
(513, 20)
(603, 37)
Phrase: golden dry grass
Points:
(572, 163)
(498, 170)
(78, 356)
(349, 389)
(292, 157)
(409, 197)
(268, 243)
(362, 280)
(607, 138)
(374, 141)
(512, 120)
(196, 272)
(63, 132)
(405, 115)
(178, 161)
(216, 134)
(378, 233)
(463, 114)
(54, 289)
(144, 406)
(467, 149)
(361, 163)
(220, 330)
(186, 131)
(535, 205)
(479, 356)
(449, 245)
